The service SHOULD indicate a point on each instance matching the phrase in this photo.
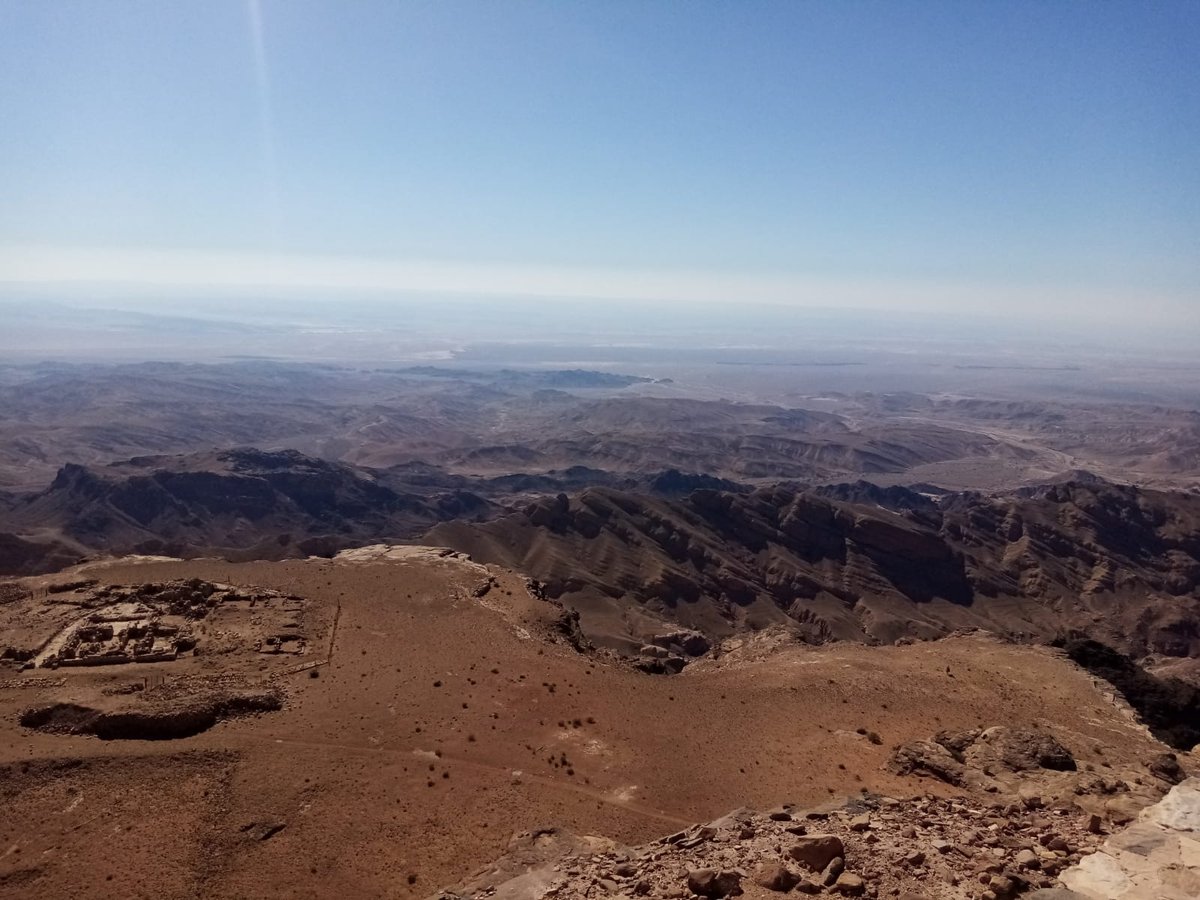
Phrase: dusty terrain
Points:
(259, 459)
(742, 422)
(437, 707)
(665, 596)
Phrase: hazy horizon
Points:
(1018, 161)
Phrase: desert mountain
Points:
(391, 716)
(859, 562)
(641, 554)
(23, 557)
(264, 505)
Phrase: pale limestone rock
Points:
(1158, 856)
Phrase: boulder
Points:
(714, 882)
(1123, 808)
(691, 643)
(1166, 766)
(1004, 887)
(669, 665)
(850, 885)
(831, 872)
(775, 877)
(1019, 749)
(957, 742)
(1057, 843)
(816, 851)
(1157, 856)
(651, 651)
(1027, 859)
(927, 758)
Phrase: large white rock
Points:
(1155, 858)
(1180, 809)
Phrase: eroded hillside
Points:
(1119, 563)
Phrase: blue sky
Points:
(1042, 157)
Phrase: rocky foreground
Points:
(1028, 821)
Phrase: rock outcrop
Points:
(959, 757)
(168, 718)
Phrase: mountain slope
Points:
(1117, 563)
(250, 500)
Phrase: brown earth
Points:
(448, 712)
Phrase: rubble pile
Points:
(1024, 813)
(872, 846)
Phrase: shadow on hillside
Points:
(1169, 707)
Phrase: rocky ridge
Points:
(1117, 563)
(240, 503)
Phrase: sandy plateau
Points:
(382, 723)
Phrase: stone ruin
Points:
(153, 623)
(144, 623)
(282, 643)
